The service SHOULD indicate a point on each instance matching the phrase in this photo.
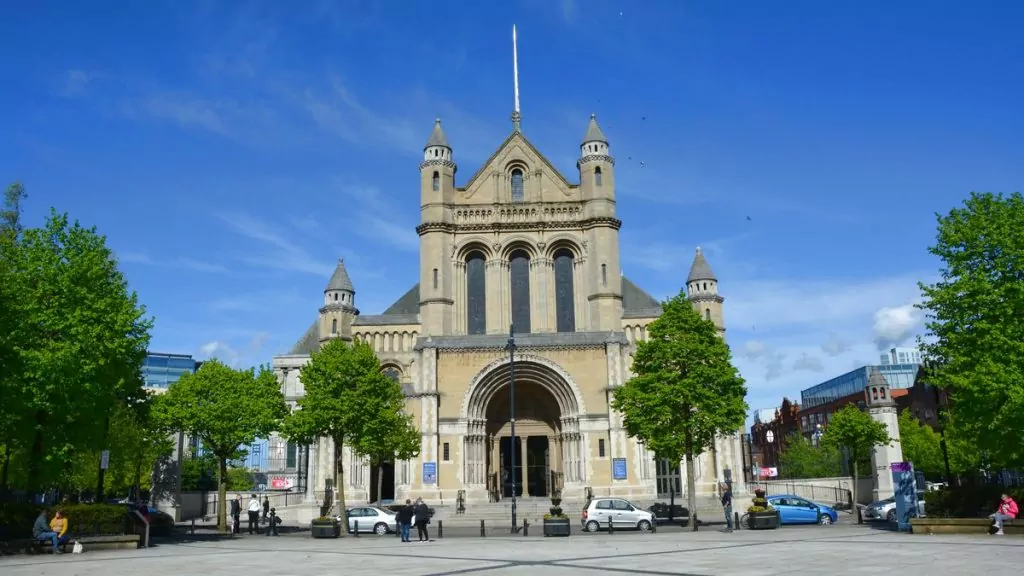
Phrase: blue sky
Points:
(232, 151)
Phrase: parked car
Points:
(886, 509)
(797, 510)
(371, 519)
(623, 515)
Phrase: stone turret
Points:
(702, 289)
(339, 309)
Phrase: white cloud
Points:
(835, 345)
(808, 363)
(894, 325)
(280, 253)
(753, 349)
(75, 82)
(232, 355)
(215, 349)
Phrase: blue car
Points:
(797, 510)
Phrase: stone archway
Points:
(548, 441)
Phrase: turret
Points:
(702, 289)
(437, 171)
(882, 408)
(437, 195)
(597, 171)
(339, 309)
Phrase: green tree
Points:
(802, 459)
(387, 433)
(686, 391)
(83, 353)
(335, 380)
(13, 392)
(225, 409)
(921, 446)
(857, 432)
(974, 322)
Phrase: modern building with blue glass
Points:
(897, 376)
(160, 370)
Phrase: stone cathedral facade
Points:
(516, 244)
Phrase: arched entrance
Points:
(547, 445)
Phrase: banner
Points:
(904, 486)
(429, 473)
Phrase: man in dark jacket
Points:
(236, 515)
(404, 518)
(42, 532)
(422, 515)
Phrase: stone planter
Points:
(325, 529)
(763, 520)
(556, 527)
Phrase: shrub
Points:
(16, 520)
(555, 512)
(759, 503)
(968, 501)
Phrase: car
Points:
(622, 514)
(886, 509)
(371, 519)
(797, 510)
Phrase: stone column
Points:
(459, 290)
(579, 286)
(522, 465)
(311, 475)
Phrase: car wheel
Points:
(824, 520)
(381, 529)
(593, 526)
(890, 516)
(644, 526)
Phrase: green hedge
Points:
(16, 520)
(969, 501)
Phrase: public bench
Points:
(962, 526)
(113, 542)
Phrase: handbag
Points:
(77, 549)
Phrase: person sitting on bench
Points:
(1007, 511)
(41, 531)
(59, 524)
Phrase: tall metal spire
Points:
(516, 116)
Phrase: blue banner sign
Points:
(430, 472)
(904, 485)
(618, 468)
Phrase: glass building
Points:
(161, 370)
(898, 376)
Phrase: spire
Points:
(437, 137)
(594, 133)
(516, 116)
(339, 280)
(700, 270)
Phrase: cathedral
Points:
(516, 246)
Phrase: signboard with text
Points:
(618, 468)
(904, 486)
(430, 472)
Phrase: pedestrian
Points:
(254, 514)
(405, 516)
(422, 515)
(727, 505)
(272, 520)
(236, 513)
(266, 506)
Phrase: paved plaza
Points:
(835, 551)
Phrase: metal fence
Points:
(831, 495)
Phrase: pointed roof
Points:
(339, 280)
(594, 133)
(437, 137)
(700, 270)
(516, 135)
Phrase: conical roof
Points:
(700, 270)
(437, 137)
(594, 133)
(339, 280)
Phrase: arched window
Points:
(334, 326)
(436, 182)
(707, 313)
(392, 373)
(597, 176)
(565, 301)
(517, 185)
(476, 294)
(519, 283)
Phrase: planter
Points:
(763, 520)
(326, 529)
(556, 527)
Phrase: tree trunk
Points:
(691, 490)
(222, 495)
(854, 489)
(5, 470)
(339, 485)
(671, 496)
(380, 481)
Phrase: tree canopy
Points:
(975, 338)
(856, 431)
(685, 391)
(802, 459)
(225, 409)
(921, 446)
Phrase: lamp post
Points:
(512, 415)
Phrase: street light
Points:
(512, 414)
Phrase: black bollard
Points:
(193, 526)
(611, 527)
(483, 531)
(526, 527)
(860, 519)
(654, 524)
(357, 529)
(696, 522)
(736, 520)
(440, 529)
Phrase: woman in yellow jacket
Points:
(60, 525)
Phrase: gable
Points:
(516, 149)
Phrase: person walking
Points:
(422, 515)
(727, 505)
(266, 507)
(254, 514)
(236, 514)
(404, 518)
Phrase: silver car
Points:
(620, 512)
(886, 509)
(371, 519)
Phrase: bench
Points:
(962, 526)
(112, 542)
